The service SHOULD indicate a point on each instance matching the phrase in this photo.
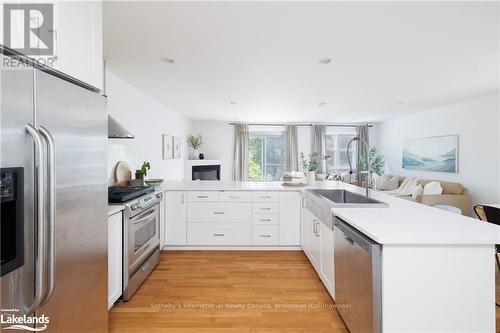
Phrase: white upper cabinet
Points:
(78, 40)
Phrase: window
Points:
(336, 141)
(265, 153)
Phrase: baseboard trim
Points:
(232, 248)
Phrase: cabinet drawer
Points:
(265, 219)
(259, 196)
(265, 208)
(219, 234)
(265, 235)
(236, 196)
(226, 212)
(203, 196)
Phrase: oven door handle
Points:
(145, 218)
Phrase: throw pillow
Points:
(376, 181)
(388, 183)
(418, 190)
(433, 188)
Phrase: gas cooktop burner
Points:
(121, 194)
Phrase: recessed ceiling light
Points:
(167, 60)
(320, 104)
(325, 61)
(232, 103)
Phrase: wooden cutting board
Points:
(123, 174)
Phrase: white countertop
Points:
(210, 185)
(113, 209)
(403, 222)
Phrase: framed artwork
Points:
(167, 151)
(434, 153)
(177, 147)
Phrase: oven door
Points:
(143, 236)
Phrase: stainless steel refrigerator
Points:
(54, 199)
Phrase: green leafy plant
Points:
(377, 161)
(194, 141)
(312, 164)
(143, 171)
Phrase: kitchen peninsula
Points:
(428, 256)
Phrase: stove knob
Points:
(135, 207)
(159, 195)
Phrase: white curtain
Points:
(240, 169)
(291, 149)
(318, 145)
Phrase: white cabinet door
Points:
(289, 218)
(78, 41)
(315, 242)
(114, 258)
(305, 229)
(327, 258)
(176, 218)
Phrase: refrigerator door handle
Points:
(41, 255)
(51, 182)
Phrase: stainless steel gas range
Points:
(141, 238)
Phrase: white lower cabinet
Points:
(265, 235)
(318, 244)
(305, 227)
(289, 218)
(327, 258)
(315, 242)
(175, 231)
(115, 226)
(228, 218)
(218, 234)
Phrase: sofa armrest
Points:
(461, 201)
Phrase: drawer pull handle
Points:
(219, 235)
(265, 220)
(265, 208)
(219, 213)
(234, 197)
(265, 197)
(202, 196)
(265, 236)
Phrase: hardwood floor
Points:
(229, 291)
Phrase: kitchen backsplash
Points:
(122, 150)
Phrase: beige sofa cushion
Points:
(448, 187)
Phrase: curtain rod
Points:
(301, 124)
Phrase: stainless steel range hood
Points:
(116, 130)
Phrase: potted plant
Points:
(311, 165)
(195, 142)
(143, 171)
(376, 161)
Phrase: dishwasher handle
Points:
(354, 236)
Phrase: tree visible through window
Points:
(265, 160)
(336, 141)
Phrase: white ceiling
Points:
(387, 58)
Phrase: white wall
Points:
(218, 140)
(147, 119)
(476, 121)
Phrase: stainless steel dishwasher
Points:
(358, 285)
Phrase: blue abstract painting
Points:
(435, 153)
